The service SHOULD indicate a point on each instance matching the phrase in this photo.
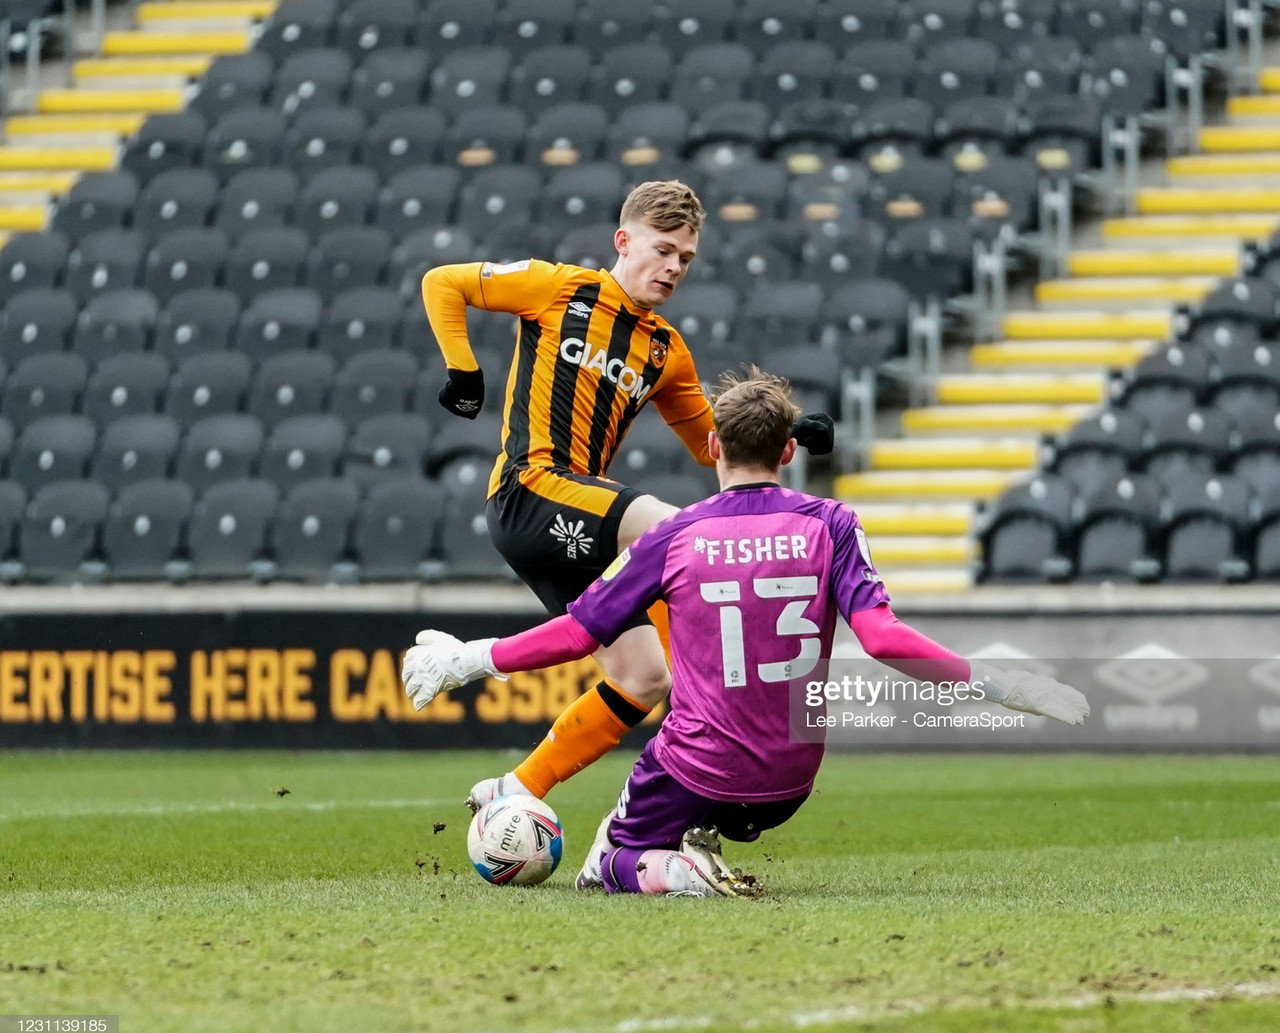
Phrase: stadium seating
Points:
(242, 293)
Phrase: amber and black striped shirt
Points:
(586, 361)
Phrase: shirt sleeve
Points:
(628, 587)
(523, 288)
(683, 404)
(857, 585)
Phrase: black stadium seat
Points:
(125, 384)
(389, 79)
(1025, 533)
(47, 384)
(31, 260)
(97, 201)
(60, 529)
(35, 321)
(231, 82)
(227, 533)
(312, 528)
(115, 322)
(218, 449)
(206, 384)
(395, 529)
(135, 448)
(175, 199)
(293, 383)
(144, 529)
(301, 448)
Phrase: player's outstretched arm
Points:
(440, 661)
(1032, 693)
(889, 640)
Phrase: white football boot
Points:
(590, 877)
(702, 846)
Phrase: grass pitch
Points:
(190, 892)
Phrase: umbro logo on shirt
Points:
(580, 309)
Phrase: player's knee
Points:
(648, 685)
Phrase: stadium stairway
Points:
(139, 71)
(920, 492)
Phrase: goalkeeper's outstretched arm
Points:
(440, 661)
(902, 647)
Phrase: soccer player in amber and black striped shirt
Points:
(590, 353)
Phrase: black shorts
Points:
(558, 531)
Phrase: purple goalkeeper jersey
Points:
(754, 578)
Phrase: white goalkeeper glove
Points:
(491, 788)
(440, 661)
(1032, 693)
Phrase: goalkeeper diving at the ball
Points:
(744, 623)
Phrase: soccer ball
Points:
(515, 841)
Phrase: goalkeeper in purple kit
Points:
(754, 578)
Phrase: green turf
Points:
(912, 894)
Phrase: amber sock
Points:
(589, 728)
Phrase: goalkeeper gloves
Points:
(816, 432)
(463, 392)
(491, 788)
(1032, 693)
(440, 661)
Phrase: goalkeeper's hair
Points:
(753, 414)
(665, 204)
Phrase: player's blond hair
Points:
(665, 204)
(753, 414)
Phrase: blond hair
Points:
(754, 415)
(665, 205)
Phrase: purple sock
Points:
(618, 866)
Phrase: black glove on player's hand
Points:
(463, 393)
(816, 432)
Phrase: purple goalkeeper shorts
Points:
(655, 811)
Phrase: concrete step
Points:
(1123, 262)
(1043, 326)
(1059, 354)
(1236, 138)
(44, 184)
(1211, 166)
(174, 44)
(924, 518)
(902, 581)
(1206, 200)
(84, 102)
(922, 485)
(954, 453)
(165, 14)
(57, 159)
(992, 419)
(17, 218)
(922, 551)
(1131, 290)
(87, 129)
(1177, 229)
(134, 70)
(1253, 104)
(1021, 388)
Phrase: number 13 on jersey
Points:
(726, 596)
